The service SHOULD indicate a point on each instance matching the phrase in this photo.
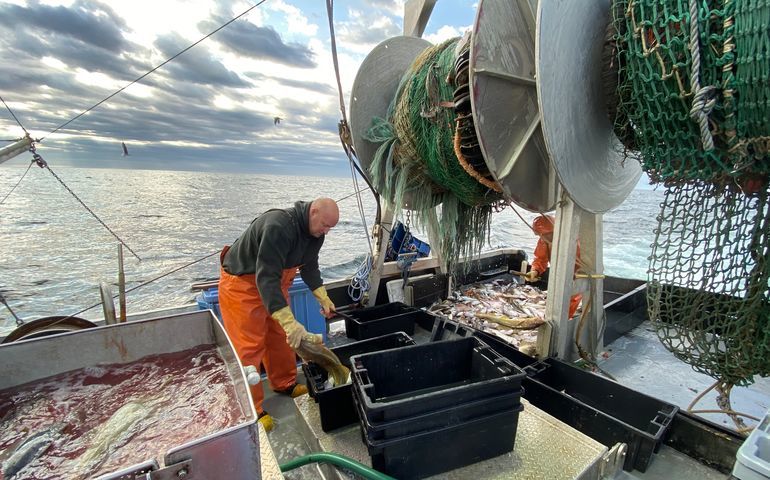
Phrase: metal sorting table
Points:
(544, 448)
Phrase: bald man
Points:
(257, 271)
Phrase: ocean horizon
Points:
(54, 254)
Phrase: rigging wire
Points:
(43, 164)
(152, 279)
(155, 68)
(14, 117)
(32, 162)
(344, 128)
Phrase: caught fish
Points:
(114, 433)
(27, 451)
(507, 309)
(339, 374)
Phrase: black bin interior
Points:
(422, 378)
(335, 404)
(600, 408)
(395, 374)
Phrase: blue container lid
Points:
(211, 295)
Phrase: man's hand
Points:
(323, 299)
(532, 276)
(295, 332)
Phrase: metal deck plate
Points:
(582, 146)
(504, 101)
(545, 448)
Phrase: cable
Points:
(17, 183)
(154, 69)
(14, 117)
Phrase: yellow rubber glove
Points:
(295, 332)
(323, 299)
(532, 276)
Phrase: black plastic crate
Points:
(445, 417)
(423, 378)
(445, 329)
(434, 452)
(601, 408)
(380, 320)
(336, 404)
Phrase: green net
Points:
(709, 273)
(416, 164)
(690, 97)
(661, 95)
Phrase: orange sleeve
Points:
(542, 256)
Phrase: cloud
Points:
(92, 23)
(197, 64)
(364, 30)
(262, 43)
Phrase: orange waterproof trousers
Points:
(257, 337)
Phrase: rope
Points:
(141, 285)
(14, 116)
(19, 321)
(42, 164)
(359, 284)
(703, 101)
(32, 162)
(490, 184)
(152, 71)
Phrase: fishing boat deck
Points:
(637, 360)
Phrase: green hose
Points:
(338, 461)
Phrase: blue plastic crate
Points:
(306, 308)
(209, 300)
(303, 304)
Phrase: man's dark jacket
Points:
(277, 240)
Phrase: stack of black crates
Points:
(430, 408)
(335, 404)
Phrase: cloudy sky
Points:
(212, 108)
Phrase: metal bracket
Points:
(150, 470)
(612, 461)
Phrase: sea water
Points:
(54, 253)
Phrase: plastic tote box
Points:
(336, 404)
(394, 384)
(209, 300)
(306, 308)
(303, 304)
(753, 459)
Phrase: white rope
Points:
(359, 284)
(703, 101)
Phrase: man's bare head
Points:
(324, 215)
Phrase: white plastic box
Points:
(753, 458)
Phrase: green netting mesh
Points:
(656, 91)
(693, 98)
(416, 160)
(708, 288)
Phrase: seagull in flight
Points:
(276, 120)
(125, 149)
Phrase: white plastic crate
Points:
(753, 458)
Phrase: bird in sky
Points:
(276, 120)
(125, 149)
